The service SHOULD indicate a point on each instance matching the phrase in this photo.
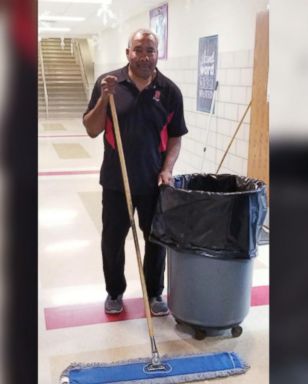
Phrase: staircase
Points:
(65, 88)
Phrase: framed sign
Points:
(207, 67)
(159, 25)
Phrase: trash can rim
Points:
(214, 193)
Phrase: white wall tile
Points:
(192, 90)
(241, 134)
(211, 167)
(189, 104)
(238, 95)
(193, 62)
(224, 93)
(241, 59)
(244, 168)
(198, 148)
(245, 128)
(193, 133)
(210, 154)
(219, 155)
(212, 124)
(241, 111)
(220, 142)
(222, 76)
(211, 140)
(246, 76)
(224, 127)
(226, 60)
(251, 58)
(219, 109)
(234, 163)
(204, 135)
(233, 77)
(202, 120)
(248, 94)
(190, 118)
(189, 76)
(231, 111)
(241, 148)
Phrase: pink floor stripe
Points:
(68, 173)
(260, 296)
(86, 314)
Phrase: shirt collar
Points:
(123, 76)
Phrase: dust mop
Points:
(154, 370)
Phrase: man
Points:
(150, 114)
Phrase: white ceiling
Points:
(93, 24)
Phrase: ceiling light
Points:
(60, 18)
(54, 29)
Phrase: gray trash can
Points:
(210, 225)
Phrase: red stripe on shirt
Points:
(109, 136)
(164, 134)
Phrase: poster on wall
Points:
(207, 67)
(159, 25)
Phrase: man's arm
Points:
(95, 120)
(173, 150)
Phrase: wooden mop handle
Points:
(131, 212)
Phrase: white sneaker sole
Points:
(159, 314)
(113, 312)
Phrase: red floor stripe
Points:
(260, 296)
(86, 314)
(68, 173)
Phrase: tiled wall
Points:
(233, 95)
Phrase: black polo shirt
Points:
(146, 119)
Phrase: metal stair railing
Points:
(78, 56)
(43, 78)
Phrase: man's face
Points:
(142, 55)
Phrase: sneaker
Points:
(114, 306)
(158, 306)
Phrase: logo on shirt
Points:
(156, 96)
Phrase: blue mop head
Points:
(182, 369)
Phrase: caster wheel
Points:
(200, 334)
(237, 331)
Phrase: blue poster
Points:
(207, 67)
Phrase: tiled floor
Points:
(72, 325)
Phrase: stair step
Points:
(71, 88)
(60, 67)
(61, 115)
(77, 99)
(67, 81)
(57, 55)
(56, 108)
(62, 75)
(65, 90)
(64, 60)
(64, 71)
(55, 47)
(55, 41)
(63, 79)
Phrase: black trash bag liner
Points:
(213, 215)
